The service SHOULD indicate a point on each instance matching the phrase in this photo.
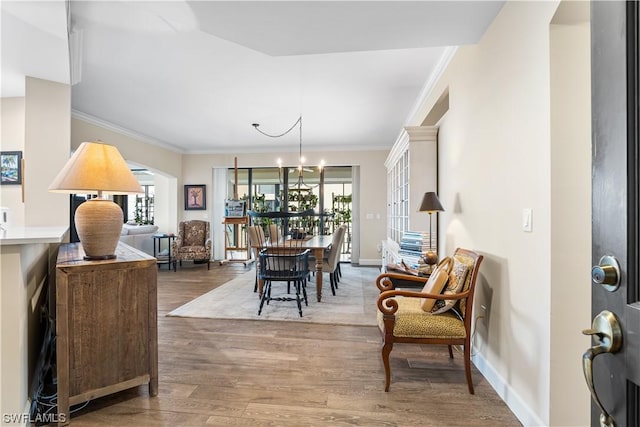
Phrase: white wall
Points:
(498, 155)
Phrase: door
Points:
(616, 214)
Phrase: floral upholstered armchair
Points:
(193, 243)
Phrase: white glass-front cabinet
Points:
(411, 171)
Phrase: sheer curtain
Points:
(355, 217)
(219, 195)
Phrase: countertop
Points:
(26, 235)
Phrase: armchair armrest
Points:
(388, 305)
(384, 281)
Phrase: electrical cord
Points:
(475, 328)
(44, 398)
(473, 336)
(255, 125)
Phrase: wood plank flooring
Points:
(265, 373)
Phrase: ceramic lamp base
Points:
(99, 223)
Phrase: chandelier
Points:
(299, 183)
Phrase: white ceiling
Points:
(33, 43)
(196, 75)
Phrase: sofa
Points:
(139, 236)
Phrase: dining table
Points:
(317, 246)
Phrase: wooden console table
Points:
(106, 325)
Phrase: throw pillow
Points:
(469, 262)
(436, 283)
(454, 285)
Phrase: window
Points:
(327, 193)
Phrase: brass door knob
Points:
(607, 337)
(607, 273)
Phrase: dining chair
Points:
(284, 261)
(257, 242)
(331, 260)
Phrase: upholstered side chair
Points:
(193, 243)
(429, 316)
(331, 260)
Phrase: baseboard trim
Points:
(518, 406)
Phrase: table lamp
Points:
(430, 204)
(97, 168)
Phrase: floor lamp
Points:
(430, 204)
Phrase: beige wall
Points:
(570, 217)
(46, 150)
(12, 115)
(498, 155)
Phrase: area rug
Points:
(353, 304)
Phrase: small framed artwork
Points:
(11, 162)
(195, 197)
(235, 208)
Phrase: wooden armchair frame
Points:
(388, 306)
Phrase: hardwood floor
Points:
(266, 373)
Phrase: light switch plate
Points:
(527, 220)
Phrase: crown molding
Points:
(428, 87)
(401, 145)
(422, 133)
(119, 129)
(402, 141)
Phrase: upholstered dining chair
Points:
(257, 242)
(193, 243)
(429, 316)
(331, 261)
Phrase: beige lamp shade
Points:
(97, 168)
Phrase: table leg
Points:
(318, 253)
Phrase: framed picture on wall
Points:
(11, 163)
(195, 197)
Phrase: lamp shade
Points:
(97, 168)
(430, 203)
